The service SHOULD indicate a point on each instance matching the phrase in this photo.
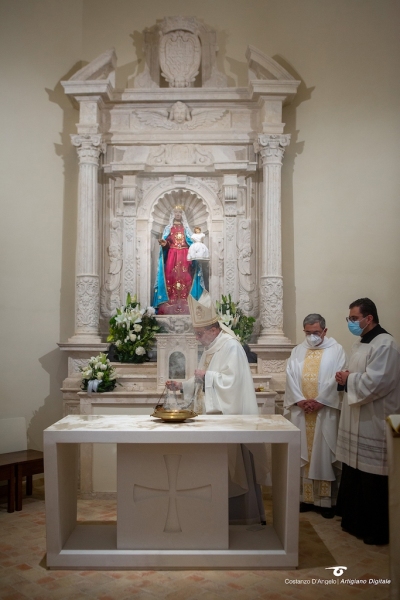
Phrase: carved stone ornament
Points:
(74, 364)
(71, 408)
(180, 154)
(272, 303)
(180, 57)
(244, 254)
(272, 146)
(110, 293)
(180, 116)
(87, 302)
(177, 325)
(272, 366)
(89, 147)
(230, 275)
(177, 49)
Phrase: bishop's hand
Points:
(173, 385)
(199, 374)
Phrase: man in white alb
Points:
(312, 403)
(372, 386)
(226, 387)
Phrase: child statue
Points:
(198, 250)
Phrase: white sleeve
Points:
(379, 378)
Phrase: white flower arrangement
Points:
(98, 375)
(133, 330)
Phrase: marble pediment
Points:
(263, 67)
(266, 76)
(180, 52)
(102, 67)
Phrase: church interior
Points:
(105, 140)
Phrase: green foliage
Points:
(233, 317)
(132, 331)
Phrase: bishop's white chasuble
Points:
(229, 389)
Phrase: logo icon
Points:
(337, 571)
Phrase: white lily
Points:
(226, 319)
(120, 319)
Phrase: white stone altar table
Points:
(172, 498)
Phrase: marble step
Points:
(147, 368)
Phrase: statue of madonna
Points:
(177, 277)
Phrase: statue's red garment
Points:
(177, 271)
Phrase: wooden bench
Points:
(7, 473)
(13, 467)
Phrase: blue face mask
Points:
(354, 327)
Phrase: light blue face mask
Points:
(354, 327)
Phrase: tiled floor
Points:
(23, 571)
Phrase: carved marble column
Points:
(230, 189)
(132, 255)
(87, 298)
(271, 148)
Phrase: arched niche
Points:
(197, 216)
(202, 207)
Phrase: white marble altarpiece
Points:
(178, 135)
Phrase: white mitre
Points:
(202, 310)
(203, 313)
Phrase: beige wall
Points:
(340, 175)
(40, 41)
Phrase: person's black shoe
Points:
(305, 507)
(375, 541)
(328, 513)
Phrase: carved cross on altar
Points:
(141, 493)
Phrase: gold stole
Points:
(207, 361)
(309, 387)
(199, 404)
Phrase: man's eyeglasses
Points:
(355, 319)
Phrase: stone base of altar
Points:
(185, 522)
(194, 515)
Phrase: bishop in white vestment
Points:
(226, 387)
(312, 403)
